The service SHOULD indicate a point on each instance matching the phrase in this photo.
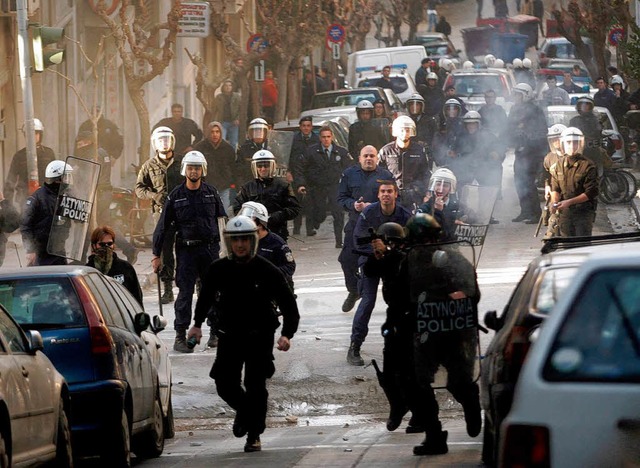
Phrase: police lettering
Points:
(472, 234)
(444, 316)
(73, 208)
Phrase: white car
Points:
(472, 84)
(401, 83)
(577, 400)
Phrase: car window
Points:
(107, 301)
(398, 83)
(550, 285)
(599, 339)
(439, 50)
(123, 309)
(564, 117)
(468, 85)
(12, 334)
(47, 301)
(339, 99)
(131, 304)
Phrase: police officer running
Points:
(275, 193)
(358, 188)
(194, 208)
(39, 214)
(242, 292)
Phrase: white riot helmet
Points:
(472, 117)
(441, 177)
(415, 104)
(489, 60)
(432, 76)
(255, 210)
(467, 65)
(37, 126)
(163, 141)
(448, 65)
(523, 89)
(553, 137)
(517, 63)
(241, 227)
(404, 122)
(526, 63)
(263, 158)
(58, 169)
(362, 106)
(572, 140)
(258, 129)
(499, 63)
(452, 108)
(193, 158)
(617, 79)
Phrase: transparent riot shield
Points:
(476, 208)
(69, 235)
(444, 292)
(280, 145)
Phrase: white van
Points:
(372, 60)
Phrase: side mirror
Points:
(159, 323)
(491, 320)
(35, 341)
(534, 334)
(141, 322)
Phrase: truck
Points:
(362, 62)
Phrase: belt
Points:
(195, 242)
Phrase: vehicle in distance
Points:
(401, 83)
(472, 84)
(344, 102)
(338, 124)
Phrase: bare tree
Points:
(414, 15)
(134, 40)
(395, 13)
(355, 15)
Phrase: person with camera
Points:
(242, 291)
(385, 210)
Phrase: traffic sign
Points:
(616, 35)
(257, 43)
(336, 33)
(258, 71)
(335, 51)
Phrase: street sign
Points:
(194, 19)
(257, 43)
(616, 35)
(335, 51)
(335, 33)
(258, 71)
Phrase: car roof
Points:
(47, 271)
(560, 246)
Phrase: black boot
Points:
(435, 443)
(167, 297)
(353, 356)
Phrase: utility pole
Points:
(27, 94)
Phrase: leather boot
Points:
(353, 356)
(167, 297)
(180, 343)
(434, 444)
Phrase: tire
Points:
(633, 185)
(169, 426)
(64, 453)
(150, 444)
(4, 451)
(117, 440)
(614, 187)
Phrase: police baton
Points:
(159, 293)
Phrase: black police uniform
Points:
(277, 251)
(299, 147)
(445, 139)
(243, 298)
(426, 128)
(478, 157)
(572, 176)
(16, 188)
(363, 133)
(242, 168)
(433, 99)
(354, 184)
(35, 226)
(277, 197)
(124, 273)
(411, 168)
(320, 173)
(494, 118)
(194, 213)
(446, 217)
(591, 128)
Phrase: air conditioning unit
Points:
(9, 7)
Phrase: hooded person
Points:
(219, 154)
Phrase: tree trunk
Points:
(137, 98)
(293, 91)
(282, 70)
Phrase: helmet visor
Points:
(163, 143)
(584, 106)
(452, 111)
(415, 107)
(258, 133)
(554, 143)
(572, 145)
(441, 185)
(263, 169)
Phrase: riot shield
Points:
(476, 208)
(446, 324)
(69, 235)
(280, 145)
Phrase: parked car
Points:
(344, 101)
(612, 138)
(401, 83)
(338, 124)
(532, 301)
(577, 401)
(472, 84)
(437, 46)
(560, 48)
(98, 337)
(34, 401)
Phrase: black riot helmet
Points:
(390, 233)
(423, 228)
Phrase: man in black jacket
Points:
(220, 156)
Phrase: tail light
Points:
(516, 351)
(101, 340)
(617, 143)
(526, 446)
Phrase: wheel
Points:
(169, 427)
(150, 443)
(614, 187)
(4, 454)
(633, 185)
(64, 454)
(117, 440)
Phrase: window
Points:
(107, 302)
(551, 285)
(467, 85)
(599, 340)
(12, 334)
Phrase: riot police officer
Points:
(157, 177)
(363, 132)
(442, 203)
(257, 139)
(193, 208)
(242, 292)
(425, 125)
(552, 157)
(39, 214)
(450, 128)
(273, 192)
(408, 161)
(587, 122)
(432, 94)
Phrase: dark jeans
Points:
(323, 199)
(349, 260)
(368, 289)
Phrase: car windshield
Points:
(551, 285)
(428, 39)
(437, 49)
(469, 85)
(48, 302)
(564, 117)
(342, 99)
(600, 337)
(398, 83)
